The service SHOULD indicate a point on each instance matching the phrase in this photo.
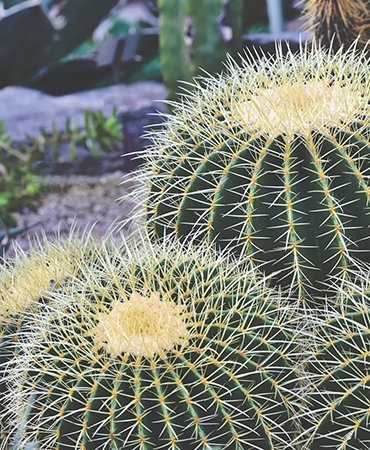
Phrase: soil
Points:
(84, 200)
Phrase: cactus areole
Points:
(271, 159)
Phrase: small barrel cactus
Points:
(340, 397)
(158, 347)
(271, 160)
(26, 282)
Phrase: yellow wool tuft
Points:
(300, 106)
(141, 326)
(29, 284)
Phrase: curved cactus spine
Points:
(340, 369)
(338, 23)
(159, 347)
(271, 160)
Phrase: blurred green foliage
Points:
(19, 187)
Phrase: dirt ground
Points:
(82, 200)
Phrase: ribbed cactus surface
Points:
(341, 369)
(161, 348)
(271, 160)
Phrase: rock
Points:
(24, 111)
(136, 125)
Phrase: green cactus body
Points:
(208, 47)
(174, 57)
(267, 162)
(160, 350)
(341, 392)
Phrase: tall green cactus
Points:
(272, 161)
(158, 347)
(191, 37)
(340, 367)
(174, 57)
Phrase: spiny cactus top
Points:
(158, 349)
(340, 398)
(271, 159)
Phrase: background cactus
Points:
(340, 369)
(158, 348)
(192, 36)
(338, 23)
(271, 160)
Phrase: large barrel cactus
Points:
(340, 397)
(271, 159)
(158, 348)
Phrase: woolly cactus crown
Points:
(305, 91)
(271, 159)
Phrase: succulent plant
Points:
(338, 23)
(340, 368)
(158, 347)
(25, 285)
(271, 160)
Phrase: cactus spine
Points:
(271, 160)
(191, 37)
(160, 348)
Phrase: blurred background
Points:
(82, 80)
